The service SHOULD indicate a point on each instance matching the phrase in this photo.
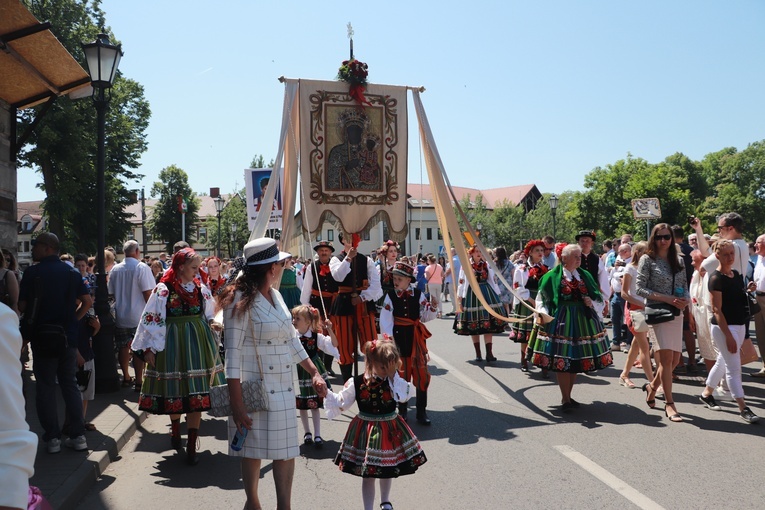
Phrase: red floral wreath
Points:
(354, 72)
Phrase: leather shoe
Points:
(761, 373)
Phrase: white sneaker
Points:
(54, 445)
(721, 394)
(79, 443)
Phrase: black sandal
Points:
(308, 438)
(318, 442)
(652, 402)
(386, 505)
(675, 417)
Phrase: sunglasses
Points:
(547, 249)
(665, 237)
(720, 227)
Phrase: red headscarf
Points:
(172, 277)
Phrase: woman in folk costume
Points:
(574, 341)
(291, 284)
(404, 310)
(175, 340)
(526, 283)
(472, 318)
(215, 280)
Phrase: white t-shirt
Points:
(128, 280)
(631, 269)
(740, 263)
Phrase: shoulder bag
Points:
(253, 392)
(658, 313)
(753, 307)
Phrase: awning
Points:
(34, 66)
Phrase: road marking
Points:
(489, 396)
(617, 484)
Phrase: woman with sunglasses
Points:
(661, 280)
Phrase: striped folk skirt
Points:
(179, 382)
(574, 341)
(307, 397)
(521, 331)
(474, 319)
(379, 447)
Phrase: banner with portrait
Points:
(257, 181)
(353, 159)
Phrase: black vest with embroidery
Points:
(590, 263)
(341, 304)
(408, 307)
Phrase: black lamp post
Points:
(219, 204)
(478, 229)
(232, 253)
(553, 208)
(103, 58)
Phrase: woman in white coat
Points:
(260, 336)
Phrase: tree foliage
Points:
(165, 221)
(234, 213)
(258, 161)
(63, 146)
(724, 181)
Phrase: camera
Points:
(692, 219)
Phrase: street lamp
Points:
(219, 204)
(553, 208)
(478, 228)
(103, 58)
(233, 241)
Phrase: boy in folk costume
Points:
(319, 287)
(404, 310)
(353, 308)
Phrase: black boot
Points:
(422, 403)
(346, 372)
(402, 409)
(489, 356)
(175, 434)
(328, 359)
(191, 448)
(477, 347)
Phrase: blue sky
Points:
(517, 92)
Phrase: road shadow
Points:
(595, 414)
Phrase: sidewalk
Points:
(64, 478)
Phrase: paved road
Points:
(498, 440)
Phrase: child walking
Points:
(379, 443)
(307, 321)
(404, 310)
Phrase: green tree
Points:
(234, 213)
(165, 222)
(63, 145)
(739, 186)
(258, 161)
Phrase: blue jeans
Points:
(621, 331)
(46, 370)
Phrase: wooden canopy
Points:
(34, 66)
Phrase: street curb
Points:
(77, 485)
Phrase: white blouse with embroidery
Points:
(152, 329)
(336, 403)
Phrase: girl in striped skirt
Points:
(379, 443)
(473, 319)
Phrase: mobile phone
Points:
(238, 442)
(691, 219)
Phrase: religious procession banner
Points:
(257, 182)
(353, 157)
